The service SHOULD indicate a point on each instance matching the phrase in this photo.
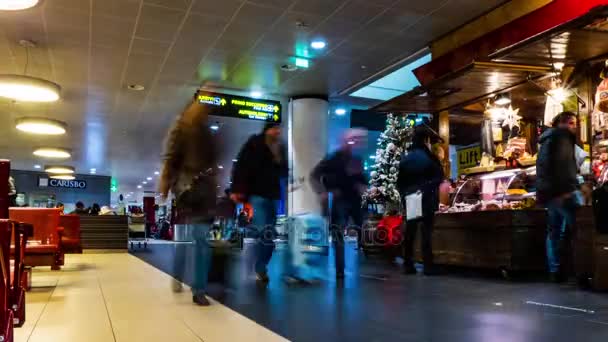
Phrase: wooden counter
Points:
(512, 240)
(104, 232)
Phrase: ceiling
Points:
(95, 48)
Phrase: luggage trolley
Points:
(137, 231)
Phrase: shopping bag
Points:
(413, 206)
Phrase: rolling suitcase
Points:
(308, 247)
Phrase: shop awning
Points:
(471, 84)
(568, 30)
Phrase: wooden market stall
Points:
(495, 223)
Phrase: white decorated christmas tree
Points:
(383, 179)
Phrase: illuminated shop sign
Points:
(62, 183)
(240, 107)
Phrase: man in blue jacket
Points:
(557, 187)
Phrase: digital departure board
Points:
(240, 107)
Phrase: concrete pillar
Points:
(307, 133)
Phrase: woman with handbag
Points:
(420, 174)
(189, 173)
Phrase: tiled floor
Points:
(118, 297)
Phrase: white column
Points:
(307, 131)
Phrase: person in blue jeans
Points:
(557, 189)
(188, 172)
(256, 177)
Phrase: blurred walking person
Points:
(189, 173)
(420, 171)
(558, 189)
(341, 174)
(256, 179)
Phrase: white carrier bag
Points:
(413, 206)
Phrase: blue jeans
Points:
(560, 226)
(264, 220)
(201, 259)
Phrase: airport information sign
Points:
(240, 107)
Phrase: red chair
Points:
(44, 247)
(6, 315)
(19, 277)
(70, 240)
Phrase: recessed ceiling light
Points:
(156, 173)
(144, 182)
(52, 152)
(350, 142)
(37, 166)
(63, 177)
(136, 87)
(302, 62)
(220, 166)
(60, 169)
(139, 186)
(215, 126)
(256, 94)
(235, 160)
(340, 111)
(318, 44)
(41, 126)
(93, 170)
(28, 89)
(289, 67)
(17, 5)
(149, 178)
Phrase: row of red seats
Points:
(13, 241)
(51, 235)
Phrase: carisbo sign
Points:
(62, 183)
(240, 107)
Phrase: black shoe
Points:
(409, 269)
(262, 277)
(340, 275)
(200, 300)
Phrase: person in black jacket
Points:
(557, 186)
(256, 178)
(420, 170)
(341, 174)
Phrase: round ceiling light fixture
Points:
(28, 89)
(59, 169)
(340, 111)
(53, 152)
(17, 5)
(41, 126)
(63, 177)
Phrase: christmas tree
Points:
(392, 143)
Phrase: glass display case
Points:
(500, 190)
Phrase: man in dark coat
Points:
(256, 178)
(420, 170)
(341, 174)
(557, 187)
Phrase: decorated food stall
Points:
(507, 86)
